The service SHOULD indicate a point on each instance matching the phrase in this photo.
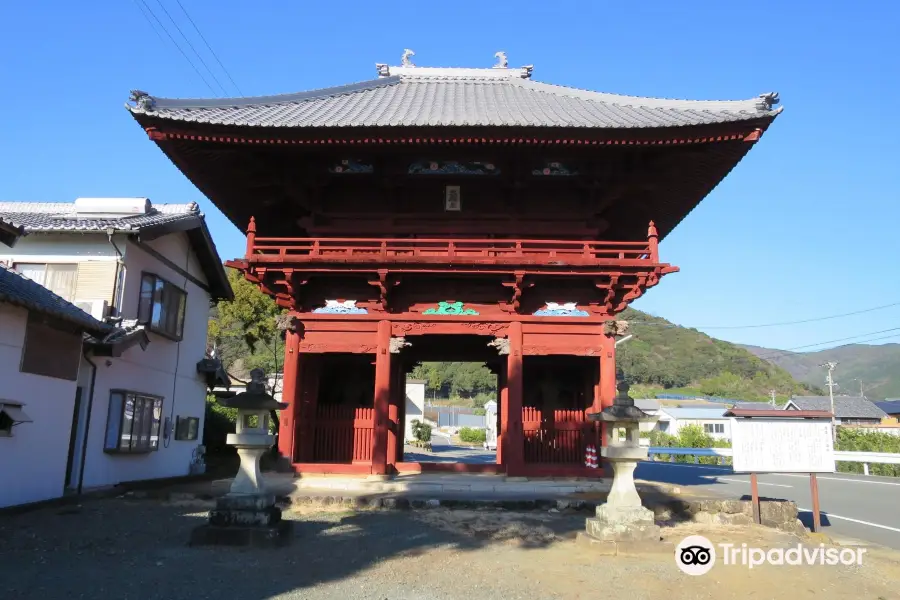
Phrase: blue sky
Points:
(804, 227)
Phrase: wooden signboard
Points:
(782, 446)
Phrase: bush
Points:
(421, 431)
(856, 440)
(480, 412)
(472, 436)
(218, 423)
(690, 436)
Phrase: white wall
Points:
(166, 368)
(415, 406)
(33, 460)
(61, 248)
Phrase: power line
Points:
(191, 46)
(211, 51)
(783, 323)
(169, 35)
(149, 22)
(777, 353)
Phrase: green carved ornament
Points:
(450, 308)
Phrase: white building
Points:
(415, 405)
(711, 420)
(40, 353)
(137, 407)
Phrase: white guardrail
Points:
(865, 458)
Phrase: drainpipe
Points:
(87, 420)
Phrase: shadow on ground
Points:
(138, 549)
(679, 475)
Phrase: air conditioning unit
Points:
(96, 308)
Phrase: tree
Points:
(249, 330)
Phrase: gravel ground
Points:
(136, 549)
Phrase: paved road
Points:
(853, 506)
(443, 451)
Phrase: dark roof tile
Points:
(428, 97)
(17, 289)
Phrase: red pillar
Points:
(502, 413)
(382, 398)
(513, 438)
(308, 385)
(289, 395)
(394, 414)
(607, 372)
(607, 385)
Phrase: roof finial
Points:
(404, 60)
(502, 61)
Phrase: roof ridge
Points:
(145, 103)
(762, 101)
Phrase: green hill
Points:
(666, 358)
(877, 366)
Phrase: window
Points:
(187, 428)
(714, 427)
(11, 414)
(58, 278)
(133, 422)
(161, 306)
(50, 349)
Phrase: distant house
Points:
(711, 420)
(891, 406)
(148, 274)
(848, 410)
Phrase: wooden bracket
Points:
(383, 284)
(518, 285)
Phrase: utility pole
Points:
(773, 397)
(862, 392)
(830, 383)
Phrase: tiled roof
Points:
(694, 413)
(429, 97)
(158, 219)
(646, 403)
(845, 407)
(891, 407)
(61, 216)
(17, 289)
(9, 233)
(753, 406)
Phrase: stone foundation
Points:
(244, 520)
(633, 524)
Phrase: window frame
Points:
(155, 429)
(180, 308)
(70, 297)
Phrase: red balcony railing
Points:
(278, 249)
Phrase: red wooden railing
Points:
(343, 434)
(560, 440)
(429, 250)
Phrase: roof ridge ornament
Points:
(142, 100)
(769, 100)
(405, 59)
(502, 60)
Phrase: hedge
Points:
(472, 436)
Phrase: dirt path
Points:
(136, 549)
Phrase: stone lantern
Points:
(622, 518)
(247, 515)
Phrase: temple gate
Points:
(451, 214)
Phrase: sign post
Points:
(782, 441)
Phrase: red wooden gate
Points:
(556, 440)
(343, 434)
